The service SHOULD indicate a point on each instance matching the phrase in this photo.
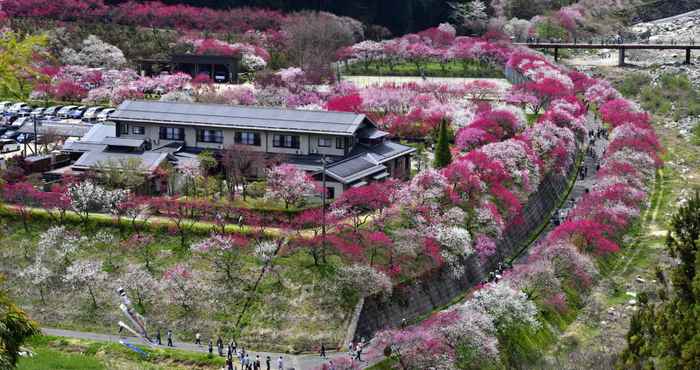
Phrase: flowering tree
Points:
(223, 253)
(23, 196)
(364, 202)
(288, 183)
(140, 285)
(95, 53)
(365, 280)
(86, 197)
(85, 275)
(181, 289)
(142, 246)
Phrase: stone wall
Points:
(439, 288)
(661, 9)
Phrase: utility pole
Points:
(36, 137)
(324, 162)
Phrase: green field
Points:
(468, 69)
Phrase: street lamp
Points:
(36, 151)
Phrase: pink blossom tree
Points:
(288, 183)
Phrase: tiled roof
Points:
(240, 117)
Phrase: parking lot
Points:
(18, 121)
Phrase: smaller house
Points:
(101, 150)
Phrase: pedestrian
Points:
(331, 365)
(267, 363)
(280, 364)
(323, 351)
(220, 346)
(229, 354)
(403, 323)
(247, 361)
(358, 352)
(256, 366)
(170, 338)
(229, 364)
(211, 347)
(158, 338)
(198, 339)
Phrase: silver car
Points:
(91, 113)
(104, 115)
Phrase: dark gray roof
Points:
(55, 128)
(118, 141)
(354, 168)
(149, 160)
(254, 118)
(82, 146)
(100, 131)
(384, 151)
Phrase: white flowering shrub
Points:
(88, 197)
(505, 305)
(253, 62)
(95, 53)
(365, 279)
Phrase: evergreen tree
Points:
(15, 328)
(668, 336)
(443, 157)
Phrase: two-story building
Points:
(355, 150)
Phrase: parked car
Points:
(91, 113)
(104, 115)
(37, 112)
(10, 134)
(65, 111)
(25, 138)
(19, 122)
(4, 105)
(7, 146)
(52, 111)
(77, 113)
(17, 108)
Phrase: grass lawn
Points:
(53, 353)
(468, 69)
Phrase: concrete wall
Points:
(438, 288)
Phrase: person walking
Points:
(220, 346)
(211, 347)
(257, 363)
(229, 364)
(323, 351)
(170, 338)
(198, 339)
(158, 338)
(280, 364)
(331, 365)
(267, 363)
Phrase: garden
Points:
(200, 263)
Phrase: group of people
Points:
(168, 337)
(244, 359)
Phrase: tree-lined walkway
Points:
(621, 47)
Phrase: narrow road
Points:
(296, 362)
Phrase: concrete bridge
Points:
(688, 47)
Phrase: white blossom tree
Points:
(86, 197)
(365, 280)
(95, 53)
(86, 275)
(141, 287)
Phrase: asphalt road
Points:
(295, 362)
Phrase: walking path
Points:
(296, 362)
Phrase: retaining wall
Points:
(439, 288)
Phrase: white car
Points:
(92, 113)
(65, 111)
(17, 108)
(8, 145)
(104, 115)
(5, 105)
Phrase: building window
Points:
(123, 129)
(247, 138)
(330, 192)
(138, 130)
(210, 136)
(172, 133)
(324, 142)
(285, 141)
(340, 143)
